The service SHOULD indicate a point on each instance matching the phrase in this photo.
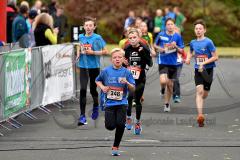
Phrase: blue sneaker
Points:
(95, 113)
(137, 129)
(82, 120)
(115, 151)
(176, 99)
(128, 124)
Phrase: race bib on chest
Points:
(115, 93)
(201, 58)
(135, 72)
(85, 47)
(169, 48)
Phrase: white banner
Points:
(58, 73)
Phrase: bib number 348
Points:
(115, 93)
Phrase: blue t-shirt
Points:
(111, 77)
(96, 43)
(29, 26)
(203, 50)
(164, 41)
(171, 15)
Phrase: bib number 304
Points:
(135, 72)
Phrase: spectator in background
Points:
(31, 16)
(169, 13)
(163, 28)
(11, 14)
(130, 20)
(43, 30)
(29, 21)
(180, 19)
(60, 22)
(37, 6)
(124, 39)
(52, 7)
(148, 20)
(44, 9)
(24, 3)
(148, 37)
(158, 20)
(19, 26)
(138, 22)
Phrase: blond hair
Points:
(43, 18)
(134, 30)
(25, 3)
(114, 50)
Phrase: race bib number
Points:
(115, 93)
(135, 72)
(201, 58)
(85, 47)
(169, 48)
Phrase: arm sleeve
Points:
(147, 55)
(151, 38)
(211, 46)
(130, 78)
(51, 36)
(191, 47)
(157, 39)
(100, 77)
(180, 43)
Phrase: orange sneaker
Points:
(200, 120)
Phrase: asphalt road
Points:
(166, 136)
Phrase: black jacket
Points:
(39, 34)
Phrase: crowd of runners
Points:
(122, 84)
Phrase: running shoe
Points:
(95, 113)
(115, 151)
(167, 108)
(200, 120)
(176, 99)
(128, 124)
(137, 129)
(82, 120)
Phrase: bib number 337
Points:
(201, 58)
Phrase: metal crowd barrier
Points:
(28, 75)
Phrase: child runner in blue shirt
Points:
(205, 56)
(92, 46)
(115, 81)
(168, 43)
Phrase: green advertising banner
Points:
(15, 95)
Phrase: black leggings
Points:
(115, 118)
(86, 74)
(176, 83)
(137, 95)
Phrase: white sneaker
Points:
(167, 108)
